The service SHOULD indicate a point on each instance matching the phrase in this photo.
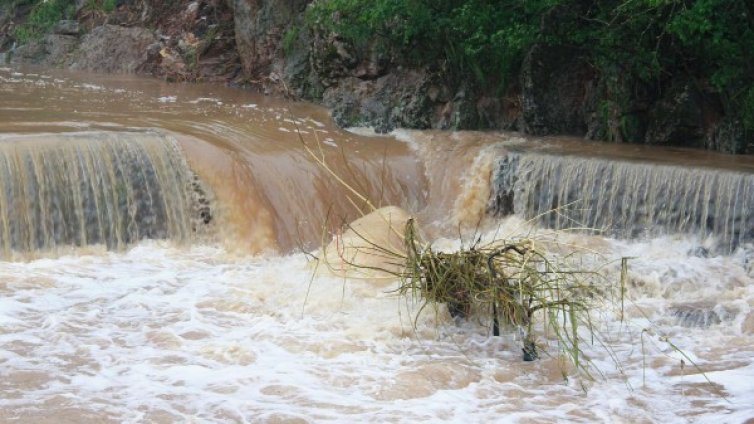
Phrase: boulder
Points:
(398, 99)
(369, 244)
(260, 26)
(729, 136)
(677, 117)
(113, 49)
(52, 50)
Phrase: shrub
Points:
(484, 38)
(44, 15)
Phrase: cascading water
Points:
(237, 326)
(626, 199)
(84, 188)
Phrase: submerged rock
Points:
(369, 245)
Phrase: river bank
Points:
(270, 46)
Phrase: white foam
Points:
(364, 131)
(198, 334)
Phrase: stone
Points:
(259, 29)
(677, 118)
(67, 27)
(729, 136)
(113, 49)
(52, 50)
(398, 99)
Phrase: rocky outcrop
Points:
(113, 49)
(678, 117)
(729, 136)
(398, 99)
(557, 92)
(52, 50)
(264, 30)
(191, 41)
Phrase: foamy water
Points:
(160, 334)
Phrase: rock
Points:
(66, 27)
(371, 241)
(113, 49)
(52, 50)
(556, 86)
(618, 110)
(259, 28)
(398, 99)
(677, 118)
(729, 136)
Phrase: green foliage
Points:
(710, 41)
(652, 41)
(484, 38)
(108, 5)
(44, 15)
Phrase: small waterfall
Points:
(84, 188)
(625, 199)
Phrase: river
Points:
(157, 264)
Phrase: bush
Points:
(44, 15)
(484, 38)
(653, 41)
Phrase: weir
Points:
(104, 187)
(625, 199)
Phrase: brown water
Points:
(269, 191)
(199, 327)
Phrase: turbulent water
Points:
(85, 188)
(627, 199)
(151, 271)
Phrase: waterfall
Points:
(84, 188)
(624, 198)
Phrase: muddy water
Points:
(271, 193)
(227, 324)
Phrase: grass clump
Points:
(505, 282)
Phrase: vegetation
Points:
(710, 42)
(505, 282)
(480, 37)
(44, 15)
(525, 284)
